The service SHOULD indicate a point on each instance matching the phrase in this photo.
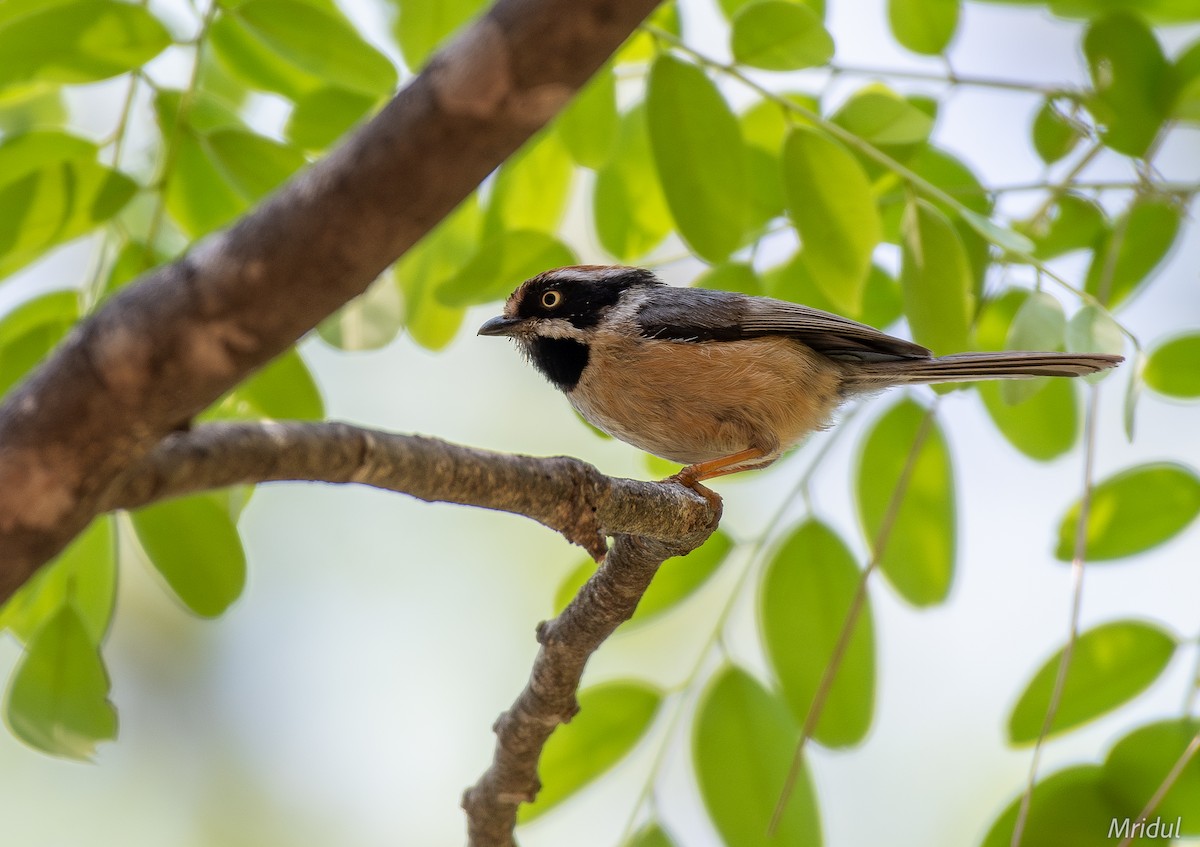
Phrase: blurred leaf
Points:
(252, 164)
(1142, 236)
(628, 205)
(81, 41)
(30, 331)
(323, 116)
(54, 204)
(1158, 11)
(590, 123)
(699, 156)
(778, 35)
(1110, 665)
(283, 389)
(58, 699)
(792, 281)
(612, 718)
(1067, 808)
(677, 579)
(1133, 511)
(924, 26)
(1002, 237)
(421, 26)
(1044, 425)
(1054, 134)
(431, 262)
(1092, 330)
(369, 321)
(642, 46)
(298, 36)
(27, 153)
(29, 107)
(84, 576)
(730, 8)
(1130, 77)
(502, 263)
(1172, 369)
(651, 835)
(879, 115)
(742, 749)
(1186, 75)
(194, 544)
(1039, 324)
(806, 596)
(731, 276)
(530, 189)
(1072, 223)
(134, 260)
(205, 113)
(935, 280)
(831, 204)
(918, 558)
(1140, 762)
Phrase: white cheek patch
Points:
(557, 328)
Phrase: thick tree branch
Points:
(565, 494)
(162, 350)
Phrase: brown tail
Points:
(968, 367)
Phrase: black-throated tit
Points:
(718, 381)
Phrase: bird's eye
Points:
(551, 299)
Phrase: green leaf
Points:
(677, 579)
(831, 204)
(1092, 330)
(778, 35)
(27, 153)
(530, 189)
(282, 390)
(323, 116)
(252, 164)
(918, 558)
(629, 208)
(1110, 665)
(731, 8)
(1172, 370)
(422, 26)
(1141, 761)
(1133, 511)
(28, 107)
(30, 331)
(936, 280)
(77, 42)
(1005, 239)
(427, 265)
(699, 156)
(1070, 807)
(83, 576)
(881, 297)
(1186, 74)
(502, 263)
(193, 543)
(1039, 324)
(731, 276)
(1044, 425)
(743, 745)
(612, 718)
(57, 701)
(369, 321)
(1072, 223)
(55, 204)
(1131, 80)
(1158, 11)
(924, 26)
(318, 42)
(590, 123)
(652, 835)
(1054, 134)
(134, 260)
(1141, 238)
(806, 596)
(879, 115)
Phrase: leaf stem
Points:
(953, 78)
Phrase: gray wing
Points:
(696, 314)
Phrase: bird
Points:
(718, 381)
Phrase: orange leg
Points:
(743, 460)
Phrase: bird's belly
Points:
(692, 402)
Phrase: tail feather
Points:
(969, 367)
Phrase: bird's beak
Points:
(500, 325)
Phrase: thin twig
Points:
(952, 78)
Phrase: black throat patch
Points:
(561, 360)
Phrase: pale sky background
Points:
(347, 697)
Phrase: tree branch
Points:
(562, 493)
(164, 349)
